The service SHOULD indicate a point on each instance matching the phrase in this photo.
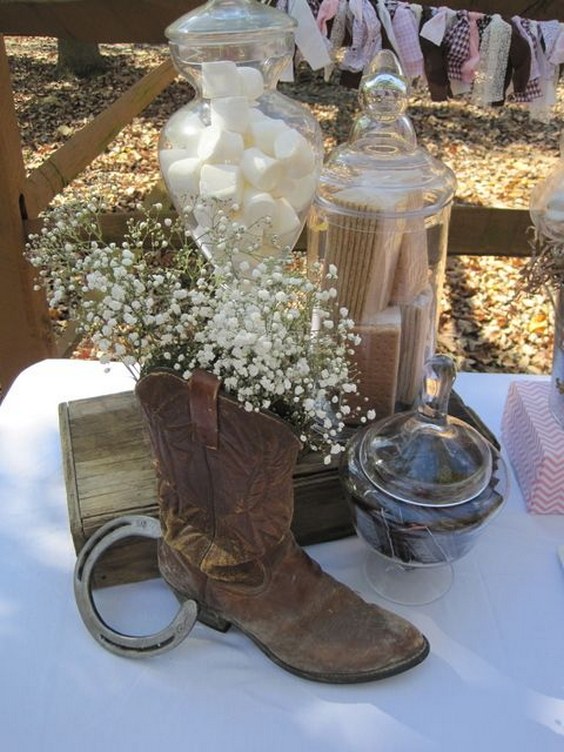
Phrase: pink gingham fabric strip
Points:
(406, 30)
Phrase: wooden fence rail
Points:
(25, 330)
(474, 230)
(56, 172)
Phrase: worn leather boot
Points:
(226, 503)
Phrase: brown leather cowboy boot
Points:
(226, 503)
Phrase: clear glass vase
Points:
(241, 160)
(556, 396)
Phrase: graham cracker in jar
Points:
(364, 247)
(415, 330)
(412, 269)
(376, 360)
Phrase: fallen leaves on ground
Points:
(498, 155)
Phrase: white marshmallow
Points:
(252, 82)
(217, 146)
(257, 205)
(255, 115)
(168, 156)
(285, 220)
(183, 131)
(222, 182)
(263, 132)
(220, 79)
(262, 171)
(298, 193)
(295, 153)
(183, 177)
(230, 113)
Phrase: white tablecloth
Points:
(494, 679)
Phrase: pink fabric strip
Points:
(469, 67)
(366, 37)
(327, 11)
(524, 26)
(407, 35)
(373, 32)
(457, 45)
(533, 90)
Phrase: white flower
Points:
(249, 323)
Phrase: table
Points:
(494, 679)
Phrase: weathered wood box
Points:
(109, 472)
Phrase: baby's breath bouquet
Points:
(274, 334)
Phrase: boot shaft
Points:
(225, 476)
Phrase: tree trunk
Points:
(82, 59)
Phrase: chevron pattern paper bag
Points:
(534, 442)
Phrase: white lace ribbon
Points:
(489, 83)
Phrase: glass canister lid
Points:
(381, 169)
(425, 456)
(216, 18)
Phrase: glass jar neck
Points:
(271, 66)
(244, 32)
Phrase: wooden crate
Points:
(109, 472)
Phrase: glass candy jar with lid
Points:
(240, 161)
(380, 215)
(421, 486)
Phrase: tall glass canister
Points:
(380, 215)
(240, 161)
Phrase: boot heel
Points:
(211, 619)
(205, 616)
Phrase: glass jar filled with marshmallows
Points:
(240, 161)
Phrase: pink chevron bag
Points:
(534, 442)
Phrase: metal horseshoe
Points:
(127, 526)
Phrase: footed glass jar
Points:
(240, 161)
(421, 486)
(380, 215)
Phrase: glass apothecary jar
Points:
(421, 486)
(240, 161)
(381, 215)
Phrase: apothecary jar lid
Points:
(425, 456)
(231, 22)
(381, 170)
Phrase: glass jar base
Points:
(405, 585)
